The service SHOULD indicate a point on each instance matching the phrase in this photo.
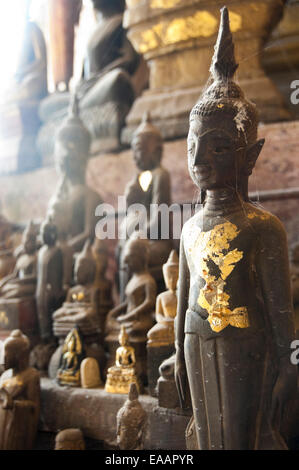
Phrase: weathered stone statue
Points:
(49, 293)
(22, 282)
(72, 197)
(136, 313)
(90, 373)
(106, 91)
(160, 344)
(70, 439)
(104, 286)
(19, 395)
(123, 373)
(131, 422)
(151, 185)
(235, 320)
(71, 358)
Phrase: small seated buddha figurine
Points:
(72, 196)
(235, 319)
(22, 282)
(49, 294)
(151, 185)
(19, 395)
(136, 313)
(81, 305)
(123, 373)
(160, 344)
(107, 88)
(104, 285)
(131, 422)
(71, 358)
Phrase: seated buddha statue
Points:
(22, 282)
(71, 358)
(123, 373)
(150, 186)
(73, 197)
(162, 333)
(136, 312)
(106, 90)
(19, 395)
(81, 305)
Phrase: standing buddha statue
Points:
(235, 320)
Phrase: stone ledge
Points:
(94, 412)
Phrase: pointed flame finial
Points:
(224, 64)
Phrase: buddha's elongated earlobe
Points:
(252, 155)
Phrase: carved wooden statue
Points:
(19, 395)
(49, 292)
(131, 422)
(235, 319)
(151, 185)
(123, 373)
(81, 306)
(136, 313)
(72, 196)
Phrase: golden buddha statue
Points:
(162, 333)
(122, 374)
(71, 358)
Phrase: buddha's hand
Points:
(285, 389)
(180, 375)
(7, 400)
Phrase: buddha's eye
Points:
(221, 149)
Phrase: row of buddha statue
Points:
(221, 341)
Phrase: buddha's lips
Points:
(202, 171)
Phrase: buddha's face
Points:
(171, 274)
(133, 259)
(8, 356)
(29, 244)
(69, 158)
(216, 152)
(81, 273)
(147, 151)
(49, 234)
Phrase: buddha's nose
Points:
(200, 157)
